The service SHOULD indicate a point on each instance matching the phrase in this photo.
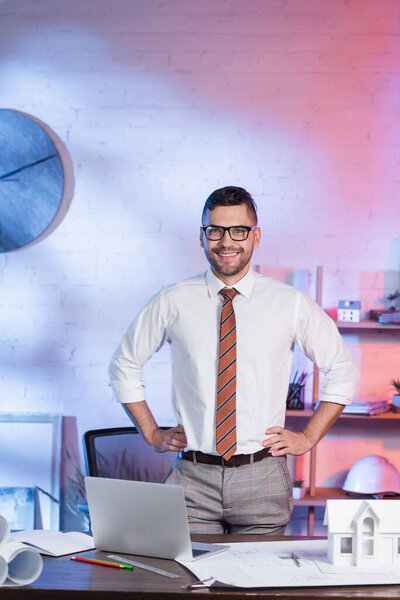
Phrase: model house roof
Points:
(342, 515)
(349, 304)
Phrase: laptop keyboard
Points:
(197, 552)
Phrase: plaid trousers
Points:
(254, 498)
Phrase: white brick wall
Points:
(159, 104)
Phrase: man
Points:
(231, 333)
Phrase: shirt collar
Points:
(244, 286)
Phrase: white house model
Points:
(349, 311)
(363, 533)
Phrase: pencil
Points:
(102, 563)
(296, 559)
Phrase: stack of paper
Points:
(390, 317)
(19, 565)
(367, 407)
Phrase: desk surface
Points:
(63, 579)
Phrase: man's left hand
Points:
(286, 442)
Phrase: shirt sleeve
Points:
(320, 340)
(143, 338)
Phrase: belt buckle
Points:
(231, 462)
(224, 462)
(235, 460)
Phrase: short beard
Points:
(226, 270)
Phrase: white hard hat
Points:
(373, 475)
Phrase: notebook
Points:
(148, 519)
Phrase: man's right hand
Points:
(161, 440)
(173, 439)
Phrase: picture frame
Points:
(30, 454)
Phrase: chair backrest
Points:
(122, 453)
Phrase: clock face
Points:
(31, 180)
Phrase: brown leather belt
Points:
(235, 461)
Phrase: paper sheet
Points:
(55, 543)
(269, 564)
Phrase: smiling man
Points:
(231, 332)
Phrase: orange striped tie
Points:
(226, 386)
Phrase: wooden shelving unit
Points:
(318, 496)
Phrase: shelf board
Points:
(388, 415)
(306, 413)
(302, 413)
(323, 494)
(367, 325)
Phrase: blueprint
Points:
(294, 563)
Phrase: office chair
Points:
(122, 453)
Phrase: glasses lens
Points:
(214, 233)
(239, 233)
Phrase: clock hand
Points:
(37, 162)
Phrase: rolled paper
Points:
(25, 566)
(19, 564)
(4, 530)
(3, 570)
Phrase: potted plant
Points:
(298, 490)
(396, 396)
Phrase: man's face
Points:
(230, 260)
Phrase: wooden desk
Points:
(63, 579)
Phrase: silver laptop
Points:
(148, 519)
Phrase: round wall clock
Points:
(36, 180)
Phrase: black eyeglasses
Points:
(238, 233)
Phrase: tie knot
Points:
(228, 293)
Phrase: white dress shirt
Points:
(270, 317)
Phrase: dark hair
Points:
(230, 196)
